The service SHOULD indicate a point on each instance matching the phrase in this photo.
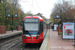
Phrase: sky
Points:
(38, 6)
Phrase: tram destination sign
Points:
(31, 20)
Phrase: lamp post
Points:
(12, 23)
(61, 13)
(13, 18)
(64, 14)
(16, 15)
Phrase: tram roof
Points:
(41, 19)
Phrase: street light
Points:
(61, 13)
(64, 14)
(13, 18)
(8, 15)
(15, 15)
(57, 16)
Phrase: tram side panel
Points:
(44, 29)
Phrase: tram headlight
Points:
(25, 37)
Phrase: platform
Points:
(53, 41)
(10, 33)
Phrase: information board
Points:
(68, 30)
(55, 26)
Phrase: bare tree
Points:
(64, 11)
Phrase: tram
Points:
(33, 29)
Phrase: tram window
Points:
(41, 27)
(31, 26)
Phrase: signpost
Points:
(12, 23)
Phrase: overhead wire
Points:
(31, 4)
(37, 4)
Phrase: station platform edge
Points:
(9, 34)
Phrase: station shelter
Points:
(60, 24)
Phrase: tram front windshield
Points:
(31, 26)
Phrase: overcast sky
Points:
(38, 6)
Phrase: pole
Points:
(12, 23)
(74, 39)
(74, 35)
(5, 16)
(61, 13)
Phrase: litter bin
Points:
(18, 28)
(2, 29)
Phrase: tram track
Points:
(13, 45)
(17, 44)
(10, 45)
(9, 41)
(31, 47)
